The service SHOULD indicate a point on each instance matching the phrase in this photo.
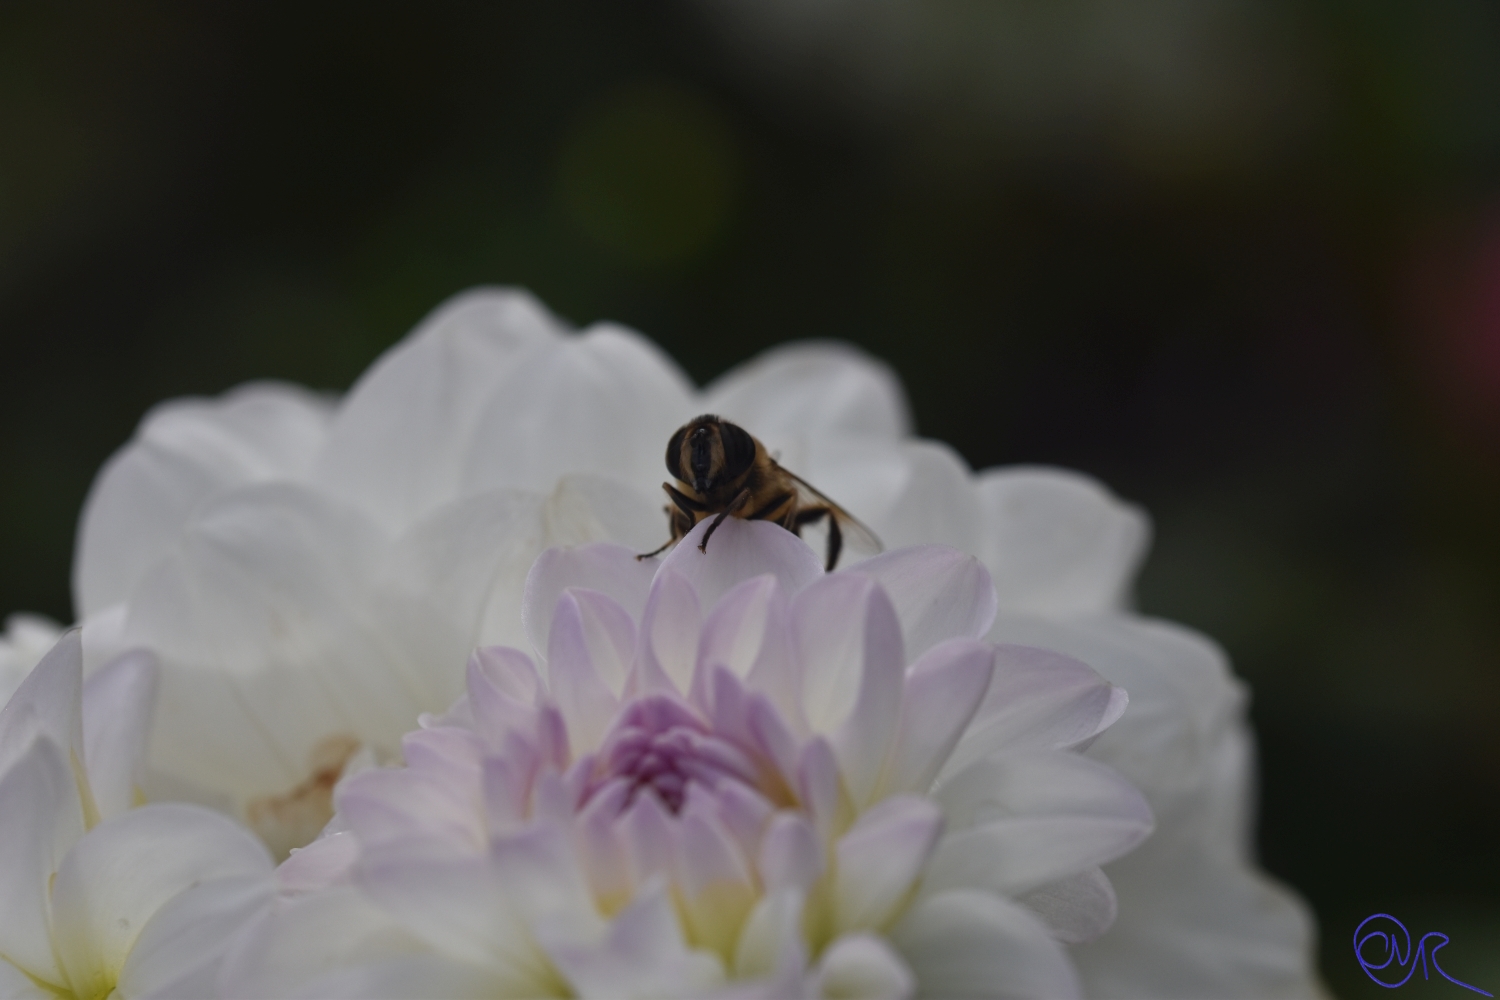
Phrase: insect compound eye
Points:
(739, 449)
(674, 455)
(700, 444)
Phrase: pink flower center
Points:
(659, 744)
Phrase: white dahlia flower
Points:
(735, 774)
(98, 899)
(313, 573)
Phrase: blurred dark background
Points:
(1241, 261)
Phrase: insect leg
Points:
(679, 521)
(734, 505)
(685, 503)
(807, 515)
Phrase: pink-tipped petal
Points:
(669, 635)
(610, 569)
(939, 594)
(790, 855)
(943, 691)
(1019, 821)
(853, 665)
(741, 550)
(1037, 699)
(581, 693)
(881, 858)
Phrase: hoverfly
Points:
(721, 470)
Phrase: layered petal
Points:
(399, 443)
(118, 702)
(185, 452)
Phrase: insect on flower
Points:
(722, 471)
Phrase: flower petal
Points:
(939, 594)
(574, 674)
(119, 875)
(269, 644)
(936, 502)
(399, 442)
(603, 402)
(185, 452)
(117, 706)
(179, 951)
(864, 965)
(880, 859)
(642, 955)
(742, 550)
(849, 644)
(610, 569)
(670, 633)
(749, 633)
(303, 942)
(40, 819)
(1037, 699)
(465, 565)
(942, 692)
(1057, 542)
(1017, 822)
(818, 388)
(1077, 909)
(48, 702)
(969, 943)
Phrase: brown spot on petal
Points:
(295, 817)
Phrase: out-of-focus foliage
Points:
(1238, 259)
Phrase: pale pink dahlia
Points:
(726, 773)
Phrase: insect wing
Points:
(857, 536)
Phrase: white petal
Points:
(117, 706)
(1037, 699)
(604, 402)
(395, 806)
(1182, 694)
(880, 859)
(327, 861)
(16, 985)
(1019, 821)
(742, 550)
(1076, 909)
(40, 819)
(465, 564)
(942, 692)
(576, 676)
(290, 950)
(849, 644)
(269, 643)
(864, 966)
(1196, 916)
(790, 855)
(610, 569)
(936, 502)
(939, 594)
(398, 444)
(972, 944)
(642, 955)
(1057, 542)
(185, 452)
(458, 906)
(811, 388)
(771, 945)
(179, 952)
(120, 874)
(48, 701)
